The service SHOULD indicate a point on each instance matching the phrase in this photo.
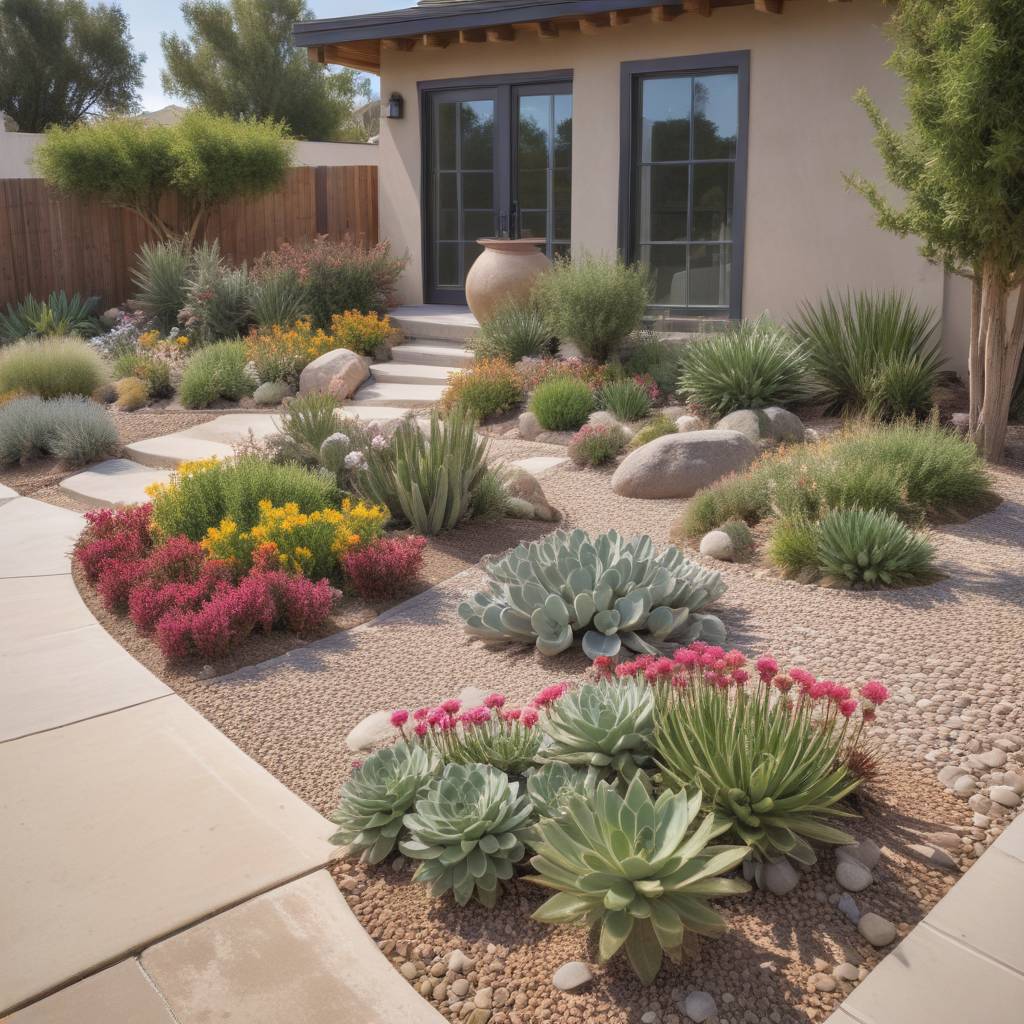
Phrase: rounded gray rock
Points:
(272, 392)
(717, 544)
(529, 426)
(686, 424)
(1004, 796)
(876, 929)
(571, 976)
(779, 877)
(852, 875)
(700, 1006)
(338, 371)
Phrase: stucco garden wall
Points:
(805, 232)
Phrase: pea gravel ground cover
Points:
(950, 652)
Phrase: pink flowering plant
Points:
(768, 748)
(491, 733)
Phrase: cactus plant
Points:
(613, 589)
(638, 868)
(468, 830)
(550, 787)
(603, 727)
(377, 796)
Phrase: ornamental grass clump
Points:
(491, 386)
(562, 402)
(52, 367)
(73, 430)
(626, 399)
(514, 331)
(378, 795)
(468, 830)
(767, 749)
(596, 444)
(219, 371)
(638, 870)
(607, 591)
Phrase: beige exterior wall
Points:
(804, 231)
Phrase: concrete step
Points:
(403, 396)
(113, 483)
(411, 373)
(434, 323)
(212, 439)
(433, 353)
(373, 413)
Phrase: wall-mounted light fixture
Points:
(394, 108)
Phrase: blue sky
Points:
(148, 19)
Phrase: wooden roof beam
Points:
(768, 6)
(665, 12)
(501, 34)
(398, 44)
(592, 23)
(701, 7)
(472, 35)
(545, 29)
(435, 40)
(618, 18)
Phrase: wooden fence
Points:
(49, 242)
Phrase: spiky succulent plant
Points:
(468, 830)
(551, 786)
(614, 591)
(637, 867)
(604, 727)
(378, 794)
(872, 548)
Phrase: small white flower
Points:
(355, 460)
(378, 442)
(339, 438)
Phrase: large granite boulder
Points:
(679, 465)
(339, 372)
(764, 426)
(525, 491)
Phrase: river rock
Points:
(764, 425)
(852, 875)
(679, 465)
(866, 851)
(523, 486)
(876, 929)
(778, 877)
(271, 392)
(1005, 796)
(339, 372)
(603, 418)
(717, 544)
(529, 426)
(700, 1006)
(571, 976)
(373, 729)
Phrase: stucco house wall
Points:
(805, 232)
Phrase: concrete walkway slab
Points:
(236, 426)
(114, 482)
(296, 954)
(7, 493)
(128, 827)
(373, 412)
(540, 464)
(406, 396)
(119, 995)
(168, 451)
(36, 538)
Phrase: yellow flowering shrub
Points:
(308, 543)
(359, 332)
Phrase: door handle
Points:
(513, 230)
(503, 225)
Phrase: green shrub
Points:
(307, 422)
(74, 430)
(625, 400)
(793, 545)
(593, 302)
(132, 394)
(562, 402)
(659, 426)
(648, 355)
(491, 497)
(596, 445)
(489, 387)
(868, 351)
(746, 496)
(217, 371)
(750, 366)
(160, 276)
(154, 371)
(741, 537)
(277, 298)
(513, 331)
(218, 299)
(52, 367)
(870, 548)
(204, 493)
(58, 315)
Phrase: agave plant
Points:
(610, 589)
(375, 798)
(468, 829)
(59, 314)
(872, 548)
(551, 786)
(604, 727)
(638, 868)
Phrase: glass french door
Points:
(499, 163)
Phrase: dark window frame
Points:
(632, 74)
(425, 91)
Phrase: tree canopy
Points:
(62, 61)
(960, 165)
(239, 60)
(204, 160)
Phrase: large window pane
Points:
(709, 275)
(444, 142)
(446, 265)
(665, 119)
(712, 201)
(533, 189)
(533, 224)
(563, 130)
(668, 271)
(664, 194)
(534, 132)
(476, 132)
(715, 117)
(478, 224)
(478, 191)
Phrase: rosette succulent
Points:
(378, 794)
(550, 787)
(639, 869)
(610, 591)
(604, 727)
(468, 830)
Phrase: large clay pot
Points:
(505, 270)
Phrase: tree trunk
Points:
(976, 354)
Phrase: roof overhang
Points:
(357, 41)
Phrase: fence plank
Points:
(51, 242)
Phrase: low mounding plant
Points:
(513, 331)
(870, 352)
(385, 567)
(648, 356)
(154, 371)
(604, 727)
(659, 426)
(593, 302)
(489, 387)
(768, 754)
(427, 478)
(73, 430)
(562, 402)
(551, 785)
(377, 796)
(868, 548)
(619, 592)
(640, 869)
(132, 393)
(750, 366)
(215, 372)
(793, 546)
(59, 315)
(52, 367)
(595, 445)
(625, 399)
(468, 830)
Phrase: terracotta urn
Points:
(505, 270)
